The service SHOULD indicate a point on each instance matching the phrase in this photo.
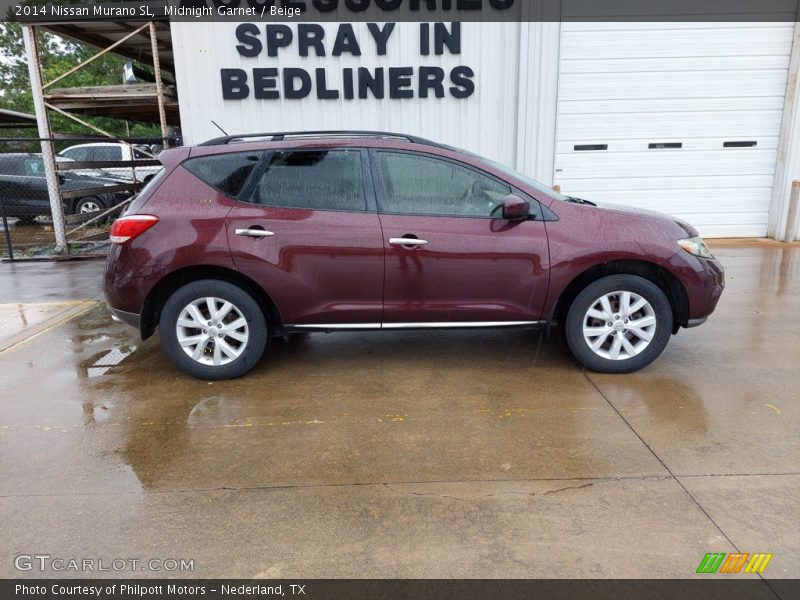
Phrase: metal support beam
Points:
(794, 210)
(43, 123)
(78, 120)
(98, 130)
(94, 57)
(788, 164)
(162, 113)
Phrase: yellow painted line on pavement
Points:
(76, 309)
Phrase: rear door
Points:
(308, 233)
(451, 259)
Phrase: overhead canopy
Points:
(131, 102)
(102, 34)
(12, 118)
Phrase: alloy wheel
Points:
(619, 325)
(89, 206)
(212, 331)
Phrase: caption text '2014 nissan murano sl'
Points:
(247, 237)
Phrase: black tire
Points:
(573, 326)
(81, 202)
(244, 303)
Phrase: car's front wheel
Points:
(88, 205)
(213, 330)
(618, 324)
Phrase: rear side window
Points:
(226, 172)
(106, 153)
(79, 154)
(316, 179)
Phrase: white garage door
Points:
(682, 118)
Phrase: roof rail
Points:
(280, 136)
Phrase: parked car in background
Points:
(115, 151)
(23, 188)
(240, 240)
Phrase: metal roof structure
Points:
(12, 118)
(103, 34)
(131, 102)
(146, 41)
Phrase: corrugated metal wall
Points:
(510, 117)
(683, 118)
(705, 84)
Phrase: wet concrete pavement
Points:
(410, 454)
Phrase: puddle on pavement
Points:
(96, 328)
(15, 318)
(110, 359)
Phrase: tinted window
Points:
(11, 165)
(34, 167)
(420, 185)
(226, 172)
(537, 185)
(81, 154)
(318, 179)
(105, 153)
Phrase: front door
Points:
(310, 236)
(23, 186)
(450, 258)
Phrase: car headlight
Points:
(697, 246)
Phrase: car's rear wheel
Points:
(618, 324)
(213, 330)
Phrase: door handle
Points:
(407, 242)
(256, 233)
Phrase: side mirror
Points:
(515, 208)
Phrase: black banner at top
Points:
(282, 11)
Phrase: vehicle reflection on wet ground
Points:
(409, 454)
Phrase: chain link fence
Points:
(96, 179)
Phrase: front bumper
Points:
(704, 287)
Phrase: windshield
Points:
(517, 175)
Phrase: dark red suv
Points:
(248, 237)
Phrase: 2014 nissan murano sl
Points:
(247, 237)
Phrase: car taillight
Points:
(128, 228)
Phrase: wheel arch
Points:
(661, 276)
(151, 309)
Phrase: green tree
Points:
(58, 55)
